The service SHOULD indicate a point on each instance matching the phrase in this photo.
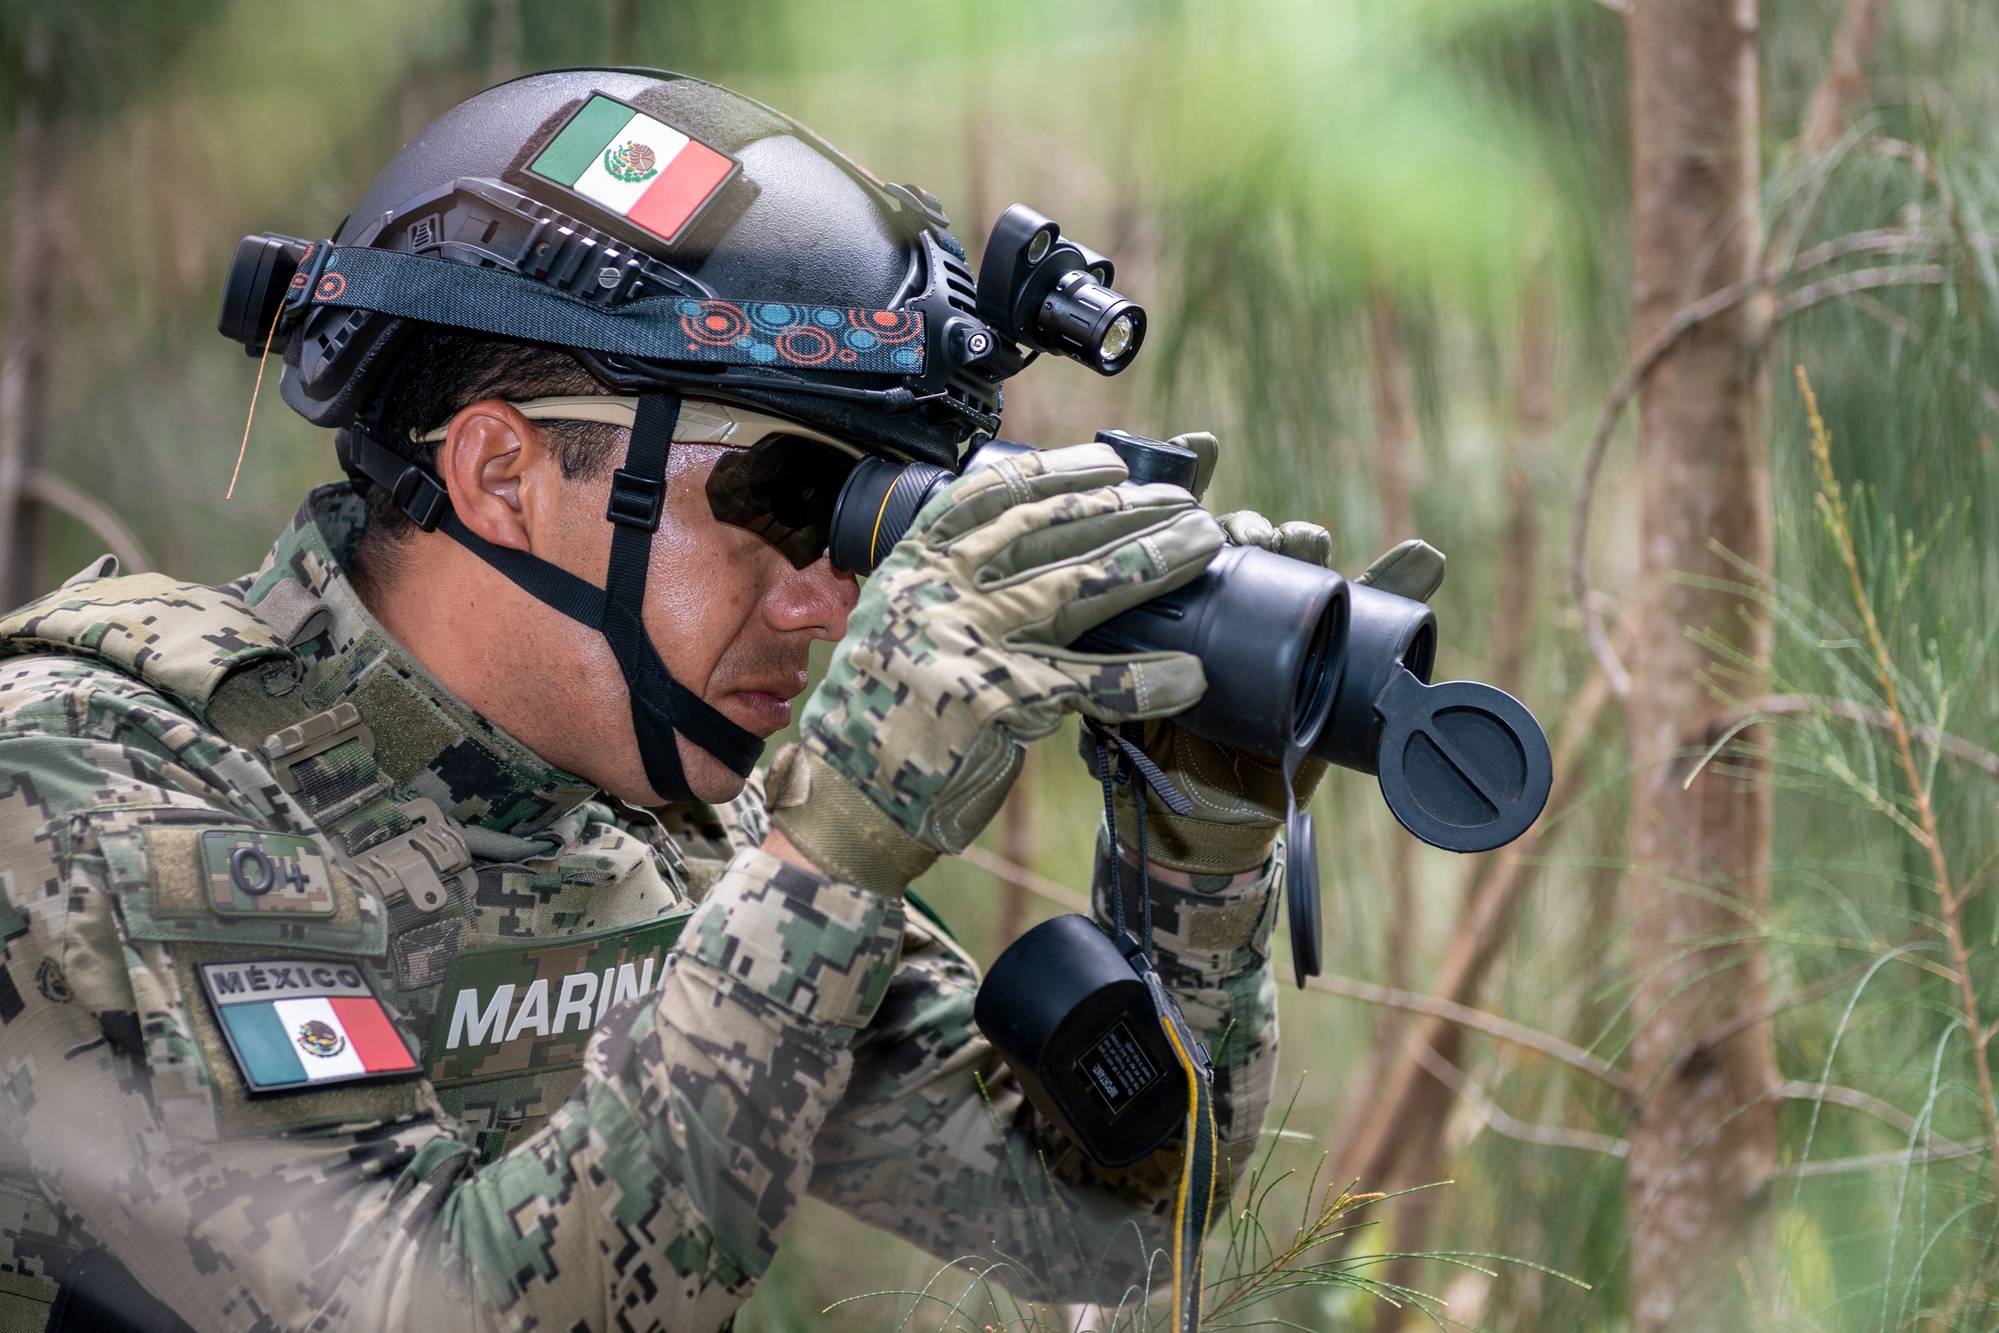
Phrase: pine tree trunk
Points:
(1427, 1113)
(1398, 523)
(28, 329)
(1843, 89)
(1705, 1140)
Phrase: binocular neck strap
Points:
(662, 708)
(1194, 1198)
(1141, 772)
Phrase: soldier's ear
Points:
(497, 465)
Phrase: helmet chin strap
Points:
(662, 708)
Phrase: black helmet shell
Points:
(798, 224)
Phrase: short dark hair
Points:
(441, 372)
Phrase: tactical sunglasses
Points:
(780, 480)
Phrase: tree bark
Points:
(1430, 1102)
(1705, 1138)
(1391, 420)
(1513, 607)
(503, 50)
(624, 21)
(1391, 480)
(1843, 90)
(29, 327)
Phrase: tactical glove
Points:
(954, 657)
(1239, 797)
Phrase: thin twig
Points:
(1833, 505)
(1662, 342)
(1799, 705)
(1683, 322)
(1882, 146)
(46, 487)
(255, 389)
(1856, 1100)
(1716, 1036)
(1504, 1029)
(1840, 1165)
(1499, 1122)
(1040, 885)
(1881, 241)
(1859, 280)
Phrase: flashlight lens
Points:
(1117, 340)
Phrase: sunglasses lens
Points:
(783, 488)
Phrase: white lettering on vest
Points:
(476, 1028)
(572, 1003)
(533, 1011)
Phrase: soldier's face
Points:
(731, 617)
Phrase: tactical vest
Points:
(497, 966)
(495, 961)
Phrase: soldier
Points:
(397, 937)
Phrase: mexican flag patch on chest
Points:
(294, 1023)
(623, 160)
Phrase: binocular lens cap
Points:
(1464, 766)
(1301, 892)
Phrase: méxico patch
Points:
(624, 161)
(293, 1023)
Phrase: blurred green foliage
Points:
(1271, 176)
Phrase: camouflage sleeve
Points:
(655, 1197)
(936, 1141)
(659, 1192)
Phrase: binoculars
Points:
(1299, 660)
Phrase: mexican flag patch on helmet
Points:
(623, 160)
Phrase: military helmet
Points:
(688, 245)
(669, 233)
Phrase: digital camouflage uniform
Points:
(753, 1030)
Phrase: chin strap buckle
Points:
(421, 496)
(635, 500)
(415, 864)
(408, 484)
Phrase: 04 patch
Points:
(249, 871)
(293, 1023)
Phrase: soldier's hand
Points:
(953, 658)
(1239, 797)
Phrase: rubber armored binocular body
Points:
(1268, 630)
(1298, 660)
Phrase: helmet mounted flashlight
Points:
(1055, 296)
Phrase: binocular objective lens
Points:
(1117, 339)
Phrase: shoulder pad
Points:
(180, 638)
